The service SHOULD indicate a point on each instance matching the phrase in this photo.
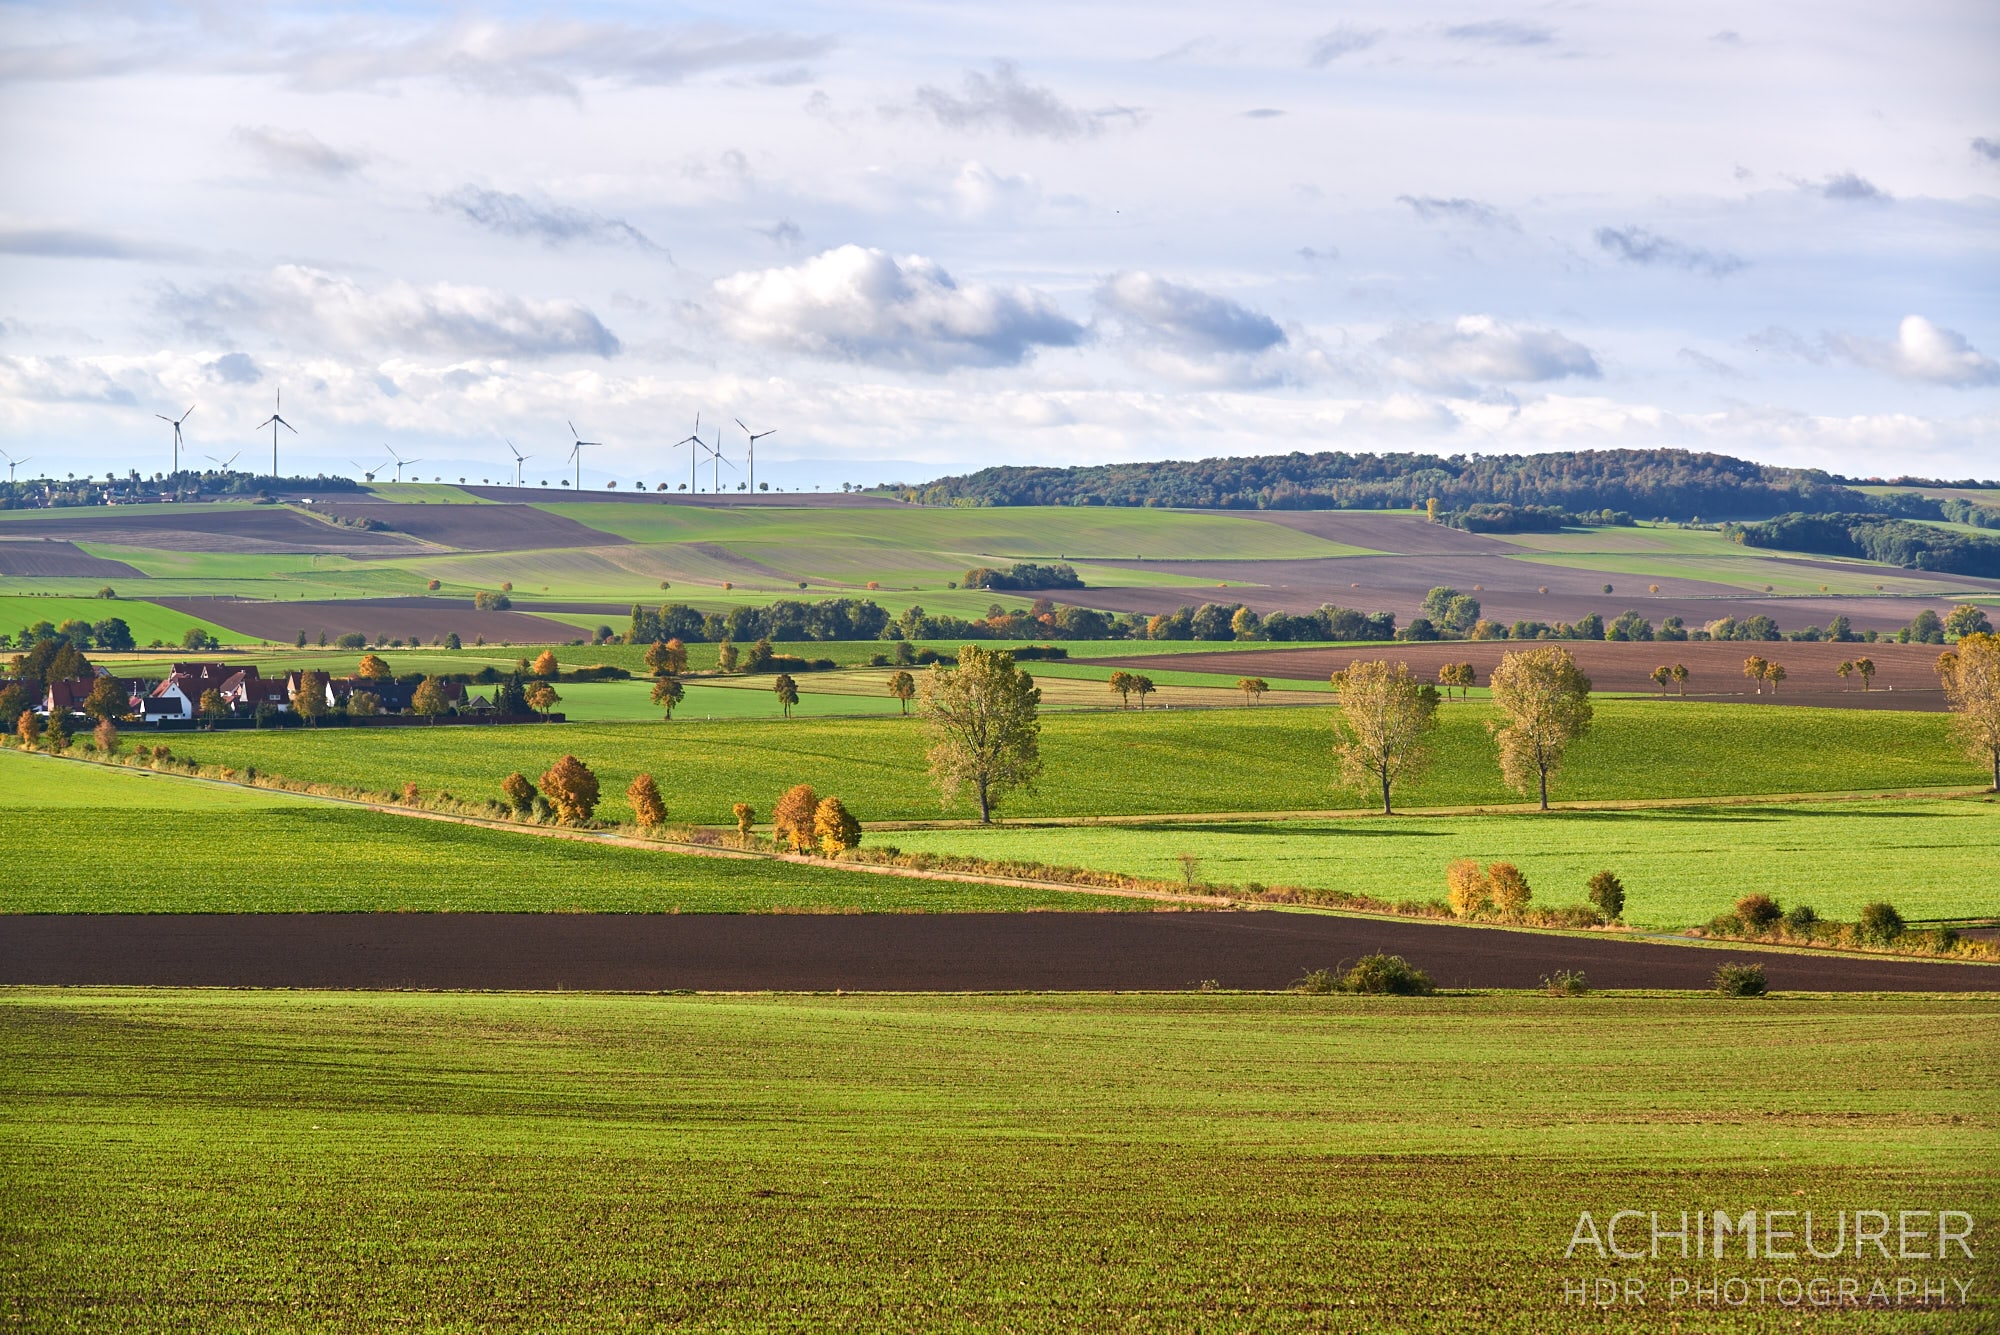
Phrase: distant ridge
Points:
(1667, 484)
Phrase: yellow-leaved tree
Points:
(1971, 678)
(1546, 699)
(1386, 718)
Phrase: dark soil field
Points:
(1905, 677)
(394, 618)
(256, 529)
(53, 559)
(1405, 535)
(770, 500)
(1507, 591)
(476, 528)
(867, 952)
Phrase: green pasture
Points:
(149, 621)
(185, 847)
(1253, 759)
(221, 1160)
(1681, 865)
(1784, 574)
(433, 493)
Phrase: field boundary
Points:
(1224, 903)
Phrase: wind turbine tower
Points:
(401, 463)
(576, 452)
(694, 456)
(176, 423)
(274, 421)
(755, 436)
(519, 459)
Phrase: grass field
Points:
(221, 1160)
(1124, 762)
(1681, 866)
(148, 621)
(182, 847)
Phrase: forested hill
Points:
(1671, 484)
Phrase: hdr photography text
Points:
(1853, 1258)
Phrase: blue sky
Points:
(920, 240)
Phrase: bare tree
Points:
(985, 727)
(1386, 717)
(1546, 699)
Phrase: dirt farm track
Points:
(879, 952)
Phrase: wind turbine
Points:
(715, 452)
(13, 463)
(176, 421)
(693, 456)
(274, 421)
(755, 436)
(576, 452)
(519, 459)
(223, 464)
(366, 472)
(401, 462)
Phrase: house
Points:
(66, 695)
(179, 696)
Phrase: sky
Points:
(913, 240)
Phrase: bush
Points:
(1740, 980)
(1466, 887)
(647, 806)
(1759, 913)
(834, 827)
(746, 816)
(354, 639)
(1607, 892)
(1390, 975)
(1566, 983)
(1510, 887)
(1318, 983)
(1801, 920)
(1881, 923)
(571, 788)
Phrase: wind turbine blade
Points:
(288, 426)
(164, 418)
(189, 413)
(740, 422)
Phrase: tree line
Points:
(1896, 542)
(1670, 484)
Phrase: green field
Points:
(216, 1160)
(185, 847)
(149, 621)
(1124, 762)
(1681, 866)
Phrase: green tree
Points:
(542, 698)
(1680, 675)
(213, 706)
(571, 789)
(108, 700)
(55, 738)
(1607, 892)
(1142, 686)
(1844, 671)
(667, 693)
(1971, 680)
(114, 635)
(1386, 718)
(364, 704)
(903, 687)
(985, 727)
(1963, 620)
(834, 828)
(1546, 700)
(1661, 676)
(1866, 667)
(309, 699)
(787, 691)
(725, 656)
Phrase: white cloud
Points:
(83, 243)
(1343, 39)
(864, 305)
(1636, 245)
(1003, 100)
(1921, 351)
(551, 224)
(1433, 208)
(1186, 318)
(1477, 348)
(297, 151)
(294, 302)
